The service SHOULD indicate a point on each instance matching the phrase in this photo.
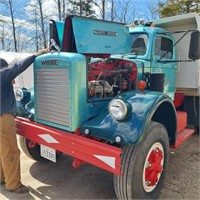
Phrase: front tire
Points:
(32, 150)
(144, 166)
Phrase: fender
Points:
(146, 106)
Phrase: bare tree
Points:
(112, 13)
(107, 9)
(61, 5)
(15, 31)
(36, 32)
(59, 10)
(102, 6)
(124, 6)
(63, 10)
(103, 9)
(152, 9)
(127, 10)
(42, 24)
(10, 7)
(38, 19)
(81, 7)
(2, 31)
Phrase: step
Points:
(178, 99)
(182, 137)
(181, 121)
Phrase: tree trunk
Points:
(36, 32)
(42, 23)
(103, 9)
(81, 9)
(13, 24)
(63, 10)
(2, 37)
(59, 10)
(112, 10)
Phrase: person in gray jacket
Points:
(10, 174)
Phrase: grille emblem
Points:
(49, 62)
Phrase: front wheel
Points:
(32, 149)
(144, 166)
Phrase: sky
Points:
(50, 5)
(21, 10)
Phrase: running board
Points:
(182, 137)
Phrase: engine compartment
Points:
(108, 77)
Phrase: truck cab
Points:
(155, 49)
(105, 95)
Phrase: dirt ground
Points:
(59, 181)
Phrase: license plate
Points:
(48, 153)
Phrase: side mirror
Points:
(194, 51)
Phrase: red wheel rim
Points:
(153, 167)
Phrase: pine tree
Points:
(177, 7)
(82, 8)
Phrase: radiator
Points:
(53, 96)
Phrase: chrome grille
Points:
(52, 96)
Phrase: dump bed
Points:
(188, 73)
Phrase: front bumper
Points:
(88, 150)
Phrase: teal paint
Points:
(75, 65)
(153, 65)
(143, 104)
(101, 38)
(94, 114)
(60, 30)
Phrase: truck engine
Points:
(108, 77)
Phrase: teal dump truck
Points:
(106, 95)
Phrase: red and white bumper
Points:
(81, 148)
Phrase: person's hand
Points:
(43, 51)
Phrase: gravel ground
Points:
(61, 181)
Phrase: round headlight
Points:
(118, 109)
(19, 95)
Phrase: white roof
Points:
(190, 20)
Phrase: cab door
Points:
(163, 61)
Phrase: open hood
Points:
(91, 36)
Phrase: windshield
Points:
(139, 43)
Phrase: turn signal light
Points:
(142, 85)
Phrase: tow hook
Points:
(32, 144)
(77, 163)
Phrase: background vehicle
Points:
(188, 73)
(26, 78)
(107, 96)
